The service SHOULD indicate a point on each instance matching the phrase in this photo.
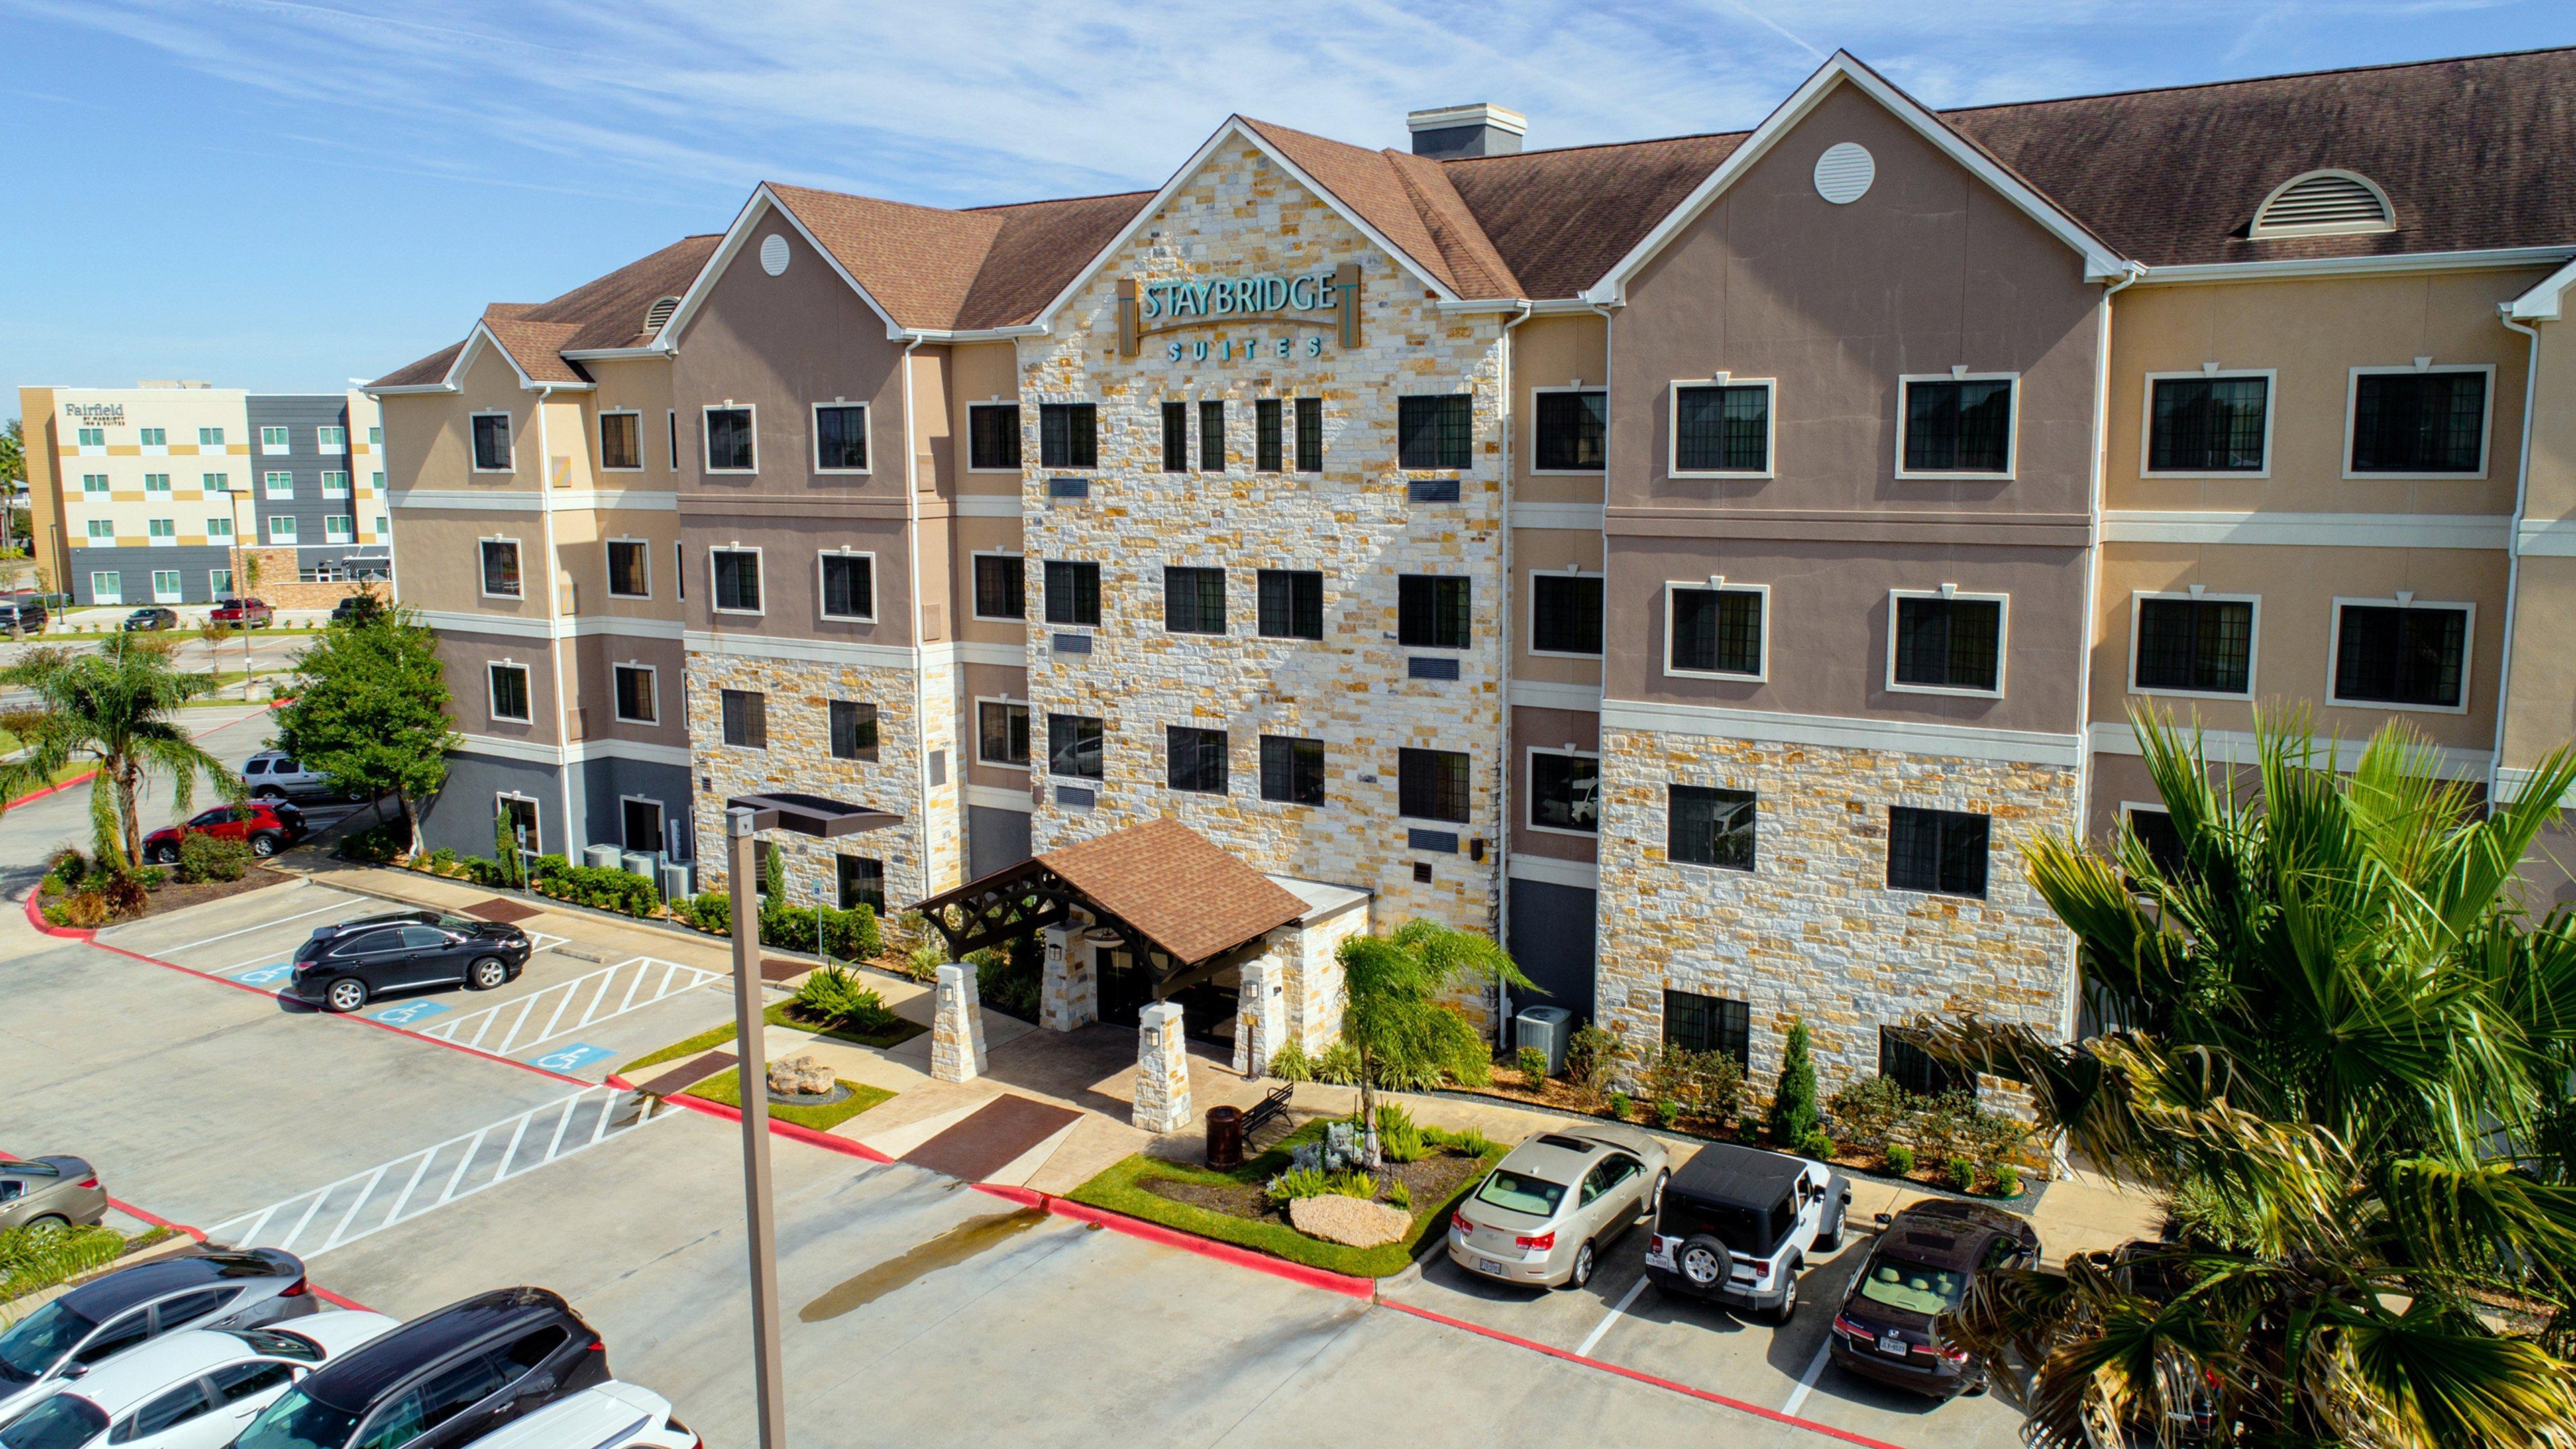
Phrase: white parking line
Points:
(262, 926)
(477, 1029)
(1806, 1381)
(1611, 1317)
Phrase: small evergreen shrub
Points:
(1668, 1114)
(1339, 1065)
(835, 997)
(1619, 1105)
(1793, 1103)
(1962, 1173)
(1399, 1196)
(1816, 1145)
(1290, 1064)
(1299, 1182)
(204, 857)
(2007, 1181)
(1353, 1183)
(1592, 1058)
(1900, 1158)
(1398, 1140)
(1532, 1063)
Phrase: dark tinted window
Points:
(729, 439)
(1565, 791)
(1194, 759)
(1958, 427)
(1940, 851)
(993, 439)
(1720, 429)
(1266, 449)
(626, 574)
(1074, 746)
(236, 1382)
(849, 586)
(2155, 830)
(532, 1349)
(2196, 644)
(1435, 432)
(1072, 593)
(1212, 435)
(2418, 422)
(1310, 435)
(1002, 733)
(1697, 1023)
(1068, 435)
(841, 436)
(1949, 643)
(177, 1406)
(63, 1421)
(1291, 604)
(620, 441)
(862, 882)
(1704, 825)
(1176, 437)
(1717, 630)
(457, 1388)
(491, 441)
(1432, 784)
(1292, 770)
(1001, 587)
(1571, 427)
(1431, 612)
(509, 692)
(1916, 1070)
(746, 718)
(368, 942)
(121, 1334)
(737, 579)
(2208, 424)
(635, 695)
(501, 567)
(854, 730)
(2386, 654)
(1565, 613)
(1194, 600)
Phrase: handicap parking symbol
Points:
(266, 974)
(572, 1058)
(409, 1012)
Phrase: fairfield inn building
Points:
(1704, 562)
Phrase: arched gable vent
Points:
(660, 312)
(2324, 203)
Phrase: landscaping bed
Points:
(794, 1015)
(31, 1262)
(82, 895)
(726, 1087)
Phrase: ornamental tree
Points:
(370, 712)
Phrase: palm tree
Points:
(1395, 1014)
(2337, 1024)
(115, 704)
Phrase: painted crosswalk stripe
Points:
(515, 1025)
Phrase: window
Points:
(671, 435)
(737, 572)
(375, 436)
(1957, 425)
(384, 525)
(1565, 791)
(331, 440)
(156, 483)
(1722, 429)
(102, 530)
(219, 583)
(1940, 851)
(339, 528)
(210, 437)
(1072, 593)
(2419, 422)
(630, 569)
(746, 719)
(1292, 770)
(1068, 435)
(1431, 785)
(277, 485)
(1706, 825)
(1176, 437)
(107, 588)
(2155, 831)
(223, 482)
(640, 824)
(1565, 613)
(854, 730)
(1715, 630)
(1194, 600)
(841, 437)
(679, 570)
(621, 441)
(236, 1382)
(1310, 435)
(500, 568)
(1950, 643)
(1696, 1023)
(2209, 423)
(1001, 586)
(1430, 612)
(165, 586)
(153, 437)
(1571, 430)
(729, 440)
(491, 442)
(166, 1412)
(93, 437)
(1194, 759)
(636, 697)
(861, 881)
(849, 586)
(162, 530)
(1074, 746)
(1212, 435)
(2194, 644)
(94, 485)
(1267, 453)
(993, 437)
(219, 528)
(281, 528)
(1435, 432)
(1291, 604)
(509, 691)
(2403, 653)
(1002, 733)
(1914, 1069)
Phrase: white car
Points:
(612, 1415)
(193, 1389)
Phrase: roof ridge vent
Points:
(660, 312)
(2324, 203)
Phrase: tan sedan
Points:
(55, 1192)
(1547, 1211)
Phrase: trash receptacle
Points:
(1547, 1028)
(1225, 1137)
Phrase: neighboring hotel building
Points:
(1705, 561)
(167, 492)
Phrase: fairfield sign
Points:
(1148, 308)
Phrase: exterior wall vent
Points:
(2324, 203)
(660, 312)
(1844, 172)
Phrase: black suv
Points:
(343, 967)
(1926, 1259)
(443, 1379)
(27, 613)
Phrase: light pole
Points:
(742, 825)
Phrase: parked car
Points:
(1549, 1208)
(1737, 1225)
(152, 616)
(194, 1389)
(24, 613)
(266, 826)
(1927, 1258)
(94, 1323)
(612, 1416)
(443, 1379)
(277, 775)
(357, 608)
(343, 967)
(243, 614)
(49, 1191)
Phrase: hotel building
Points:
(1705, 563)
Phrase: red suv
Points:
(269, 825)
(244, 613)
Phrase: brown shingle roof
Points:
(1190, 896)
(1040, 246)
(1407, 202)
(1562, 218)
(944, 270)
(604, 312)
(432, 368)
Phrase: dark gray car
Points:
(343, 967)
(82, 1329)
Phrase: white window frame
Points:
(638, 415)
(995, 402)
(292, 534)
(105, 488)
(1538, 472)
(1025, 707)
(346, 533)
(1770, 426)
(671, 435)
(1721, 585)
(972, 611)
(213, 532)
(1529, 791)
(268, 484)
(661, 813)
(375, 435)
(2486, 422)
(2210, 373)
(473, 462)
(713, 593)
(165, 488)
(481, 576)
(608, 564)
(322, 439)
(214, 483)
(492, 696)
(706, 439)
(152, 442)
(280, 445)
(870, 616)
(2003, 641)
(2012, 427)
(327, 485)
(2468, 652)
(814, 421)
(536, 813)
(94, 596)
(92, 527)
(175, 594)
(2253, 647)
(161, 532)
(1535, 575)
(226, 578)
(652, 692)
(206, 441)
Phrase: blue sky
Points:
(283, 194)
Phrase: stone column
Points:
(1260, 1016)
(1162, 1071)
(1070, 987)
(957, 1027)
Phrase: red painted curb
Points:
(139, 1215)
(80, 779)
(36, 918)
(1344, 1284)
(789, 1130)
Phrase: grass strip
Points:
(726, 1087)
(901, 1031)
(708, 1040)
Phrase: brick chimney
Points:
(1445, 133)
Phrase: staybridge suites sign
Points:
(1146, 309)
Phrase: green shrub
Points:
(1532, 1063)
(1748, 1128)
(835, 997)
(709, 911)
(1398, 1140)
(1006, 985)
(1962, 1173)
(377, 844)
(1900, 1158)
(1472, 1142)
(1708, 1086)
(1339, 1065)
(1619, 1105)
(2203, 1217)
(1400, 1197)
(1793, 1103)
(1299, 1182)
(442, 860)
(926, 959)
(152, 877)
(1816, 1145)
(2007, 1181)
(601, 887)
(1290, 1064)
(1869, 1113)
(1592, 1058)
(1353, 1183)
(204, 857)
(1668, 1113)
(31, 1260)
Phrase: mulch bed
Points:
(177, 897)
(1430, 1180)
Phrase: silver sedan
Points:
(1546, 1211)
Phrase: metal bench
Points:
(1273, 1107)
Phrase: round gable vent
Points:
(773, 254)
(1844, 172)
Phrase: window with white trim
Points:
(841, 437)
(637, 699)
(1001, 586)
(2401, 653)
(339, 528)
(162, 530)
(737, 575)
(849, 586)
(630, 569)
(331, 440)
(2427, 422)
(1565, 613)
(281, 528)
(2194, 644)
(1565, 790)
(1947, 641)
(219, 528)
(156, 483)
(1956, 425)
(102, 530)
(2209, 423)
(1570, 432)
(106, 588)
(993, 437)
(1716, 629)
(165, 586)
(510, 693)
(210, 437)
(335, 484)
(621, 442)
(1002, 733)
(94, 485)
(1722, 429)
(501, 568)
(153, 437)
(491, 442)
(730, 446)
(278, 484)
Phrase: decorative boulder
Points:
(1348, 1220)
(801, 1075)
